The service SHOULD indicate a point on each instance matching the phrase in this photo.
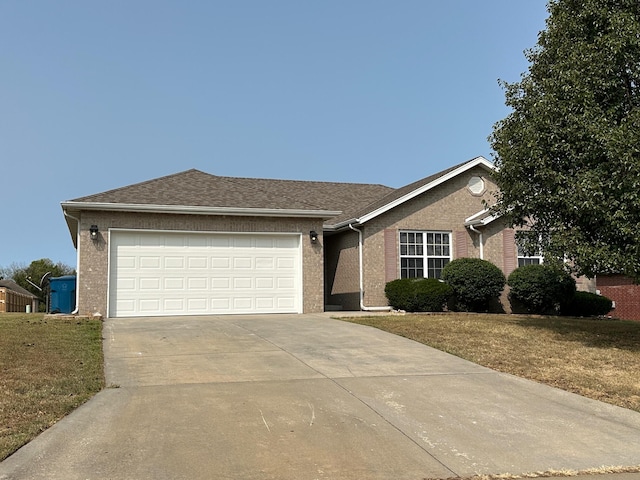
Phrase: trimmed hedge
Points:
(586, 304)
(540, 289)
(418, 294)
(476, 283)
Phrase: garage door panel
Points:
(220, 283)
(220, 263)
(174, 262)
(242, 262)
(150, 283)
(197, 262)
(188, 274)
(263, 283)
(149, 305)
(197, 283)
(174, 283)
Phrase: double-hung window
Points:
(424, 254)
(524, 259)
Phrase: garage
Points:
(153, 273)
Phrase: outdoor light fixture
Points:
(93, 231)
(313, 235)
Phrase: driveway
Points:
(307, 397)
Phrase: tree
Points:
(569, 152)
(27, 276)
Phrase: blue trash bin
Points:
(63, 294)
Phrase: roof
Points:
(11, 285)
(406, 193)
(196, 192)
(196, 188)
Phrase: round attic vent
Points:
(476, 185)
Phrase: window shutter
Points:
(462, 246)
(390, 255)
(508, 250)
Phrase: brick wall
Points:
(623, 292)
(443, 208)
(93, 272)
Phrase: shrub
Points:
(541, 289)
(586, 304)
(476, 283)
(418, 294)
(400, 293)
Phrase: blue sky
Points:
(98, 95)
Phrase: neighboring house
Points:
(625, 294)
(14, 298)
(194, 243)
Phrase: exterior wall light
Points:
(93, 232)
(313, 236)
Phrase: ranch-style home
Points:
(193, 243)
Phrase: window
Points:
(524, 259)
(424, 254)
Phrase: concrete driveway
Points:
(308, 397)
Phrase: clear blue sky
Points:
(96, 95)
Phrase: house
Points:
(14, 298)
(624, 292)
(193, 243)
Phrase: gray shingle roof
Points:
(11, 285)
(199, 189)
(193, 188)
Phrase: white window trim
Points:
(424, 256)
(519, 256)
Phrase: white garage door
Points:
(162, 273)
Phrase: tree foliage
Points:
(569, 152)
(35, 272)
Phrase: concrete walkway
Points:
(307, 397)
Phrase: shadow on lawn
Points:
(592, 332)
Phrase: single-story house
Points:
(14, 298)
(193, 243)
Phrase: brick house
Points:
(14, 298)
(194, 243)
(625, 294)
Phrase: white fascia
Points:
(479, 219)
(198, 210)
(478, 161)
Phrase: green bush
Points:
(586, 304)
(418, 294)
(400, 294)
(476, 283)
(540, 289)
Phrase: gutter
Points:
(361, 268)
(66, 214)
(199, 210)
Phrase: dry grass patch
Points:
(48, 367)
(596, 358)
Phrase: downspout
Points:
(474, 229)
(361, 269)
(75, 311)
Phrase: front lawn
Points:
(48, 367)
(596, 358)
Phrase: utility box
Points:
(63, 294)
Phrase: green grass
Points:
(48, 367)
(596, 358)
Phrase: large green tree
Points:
(569, 152)
(34, 274)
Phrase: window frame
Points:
(419, 261)
(522, 259)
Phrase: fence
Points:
(11, 301)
